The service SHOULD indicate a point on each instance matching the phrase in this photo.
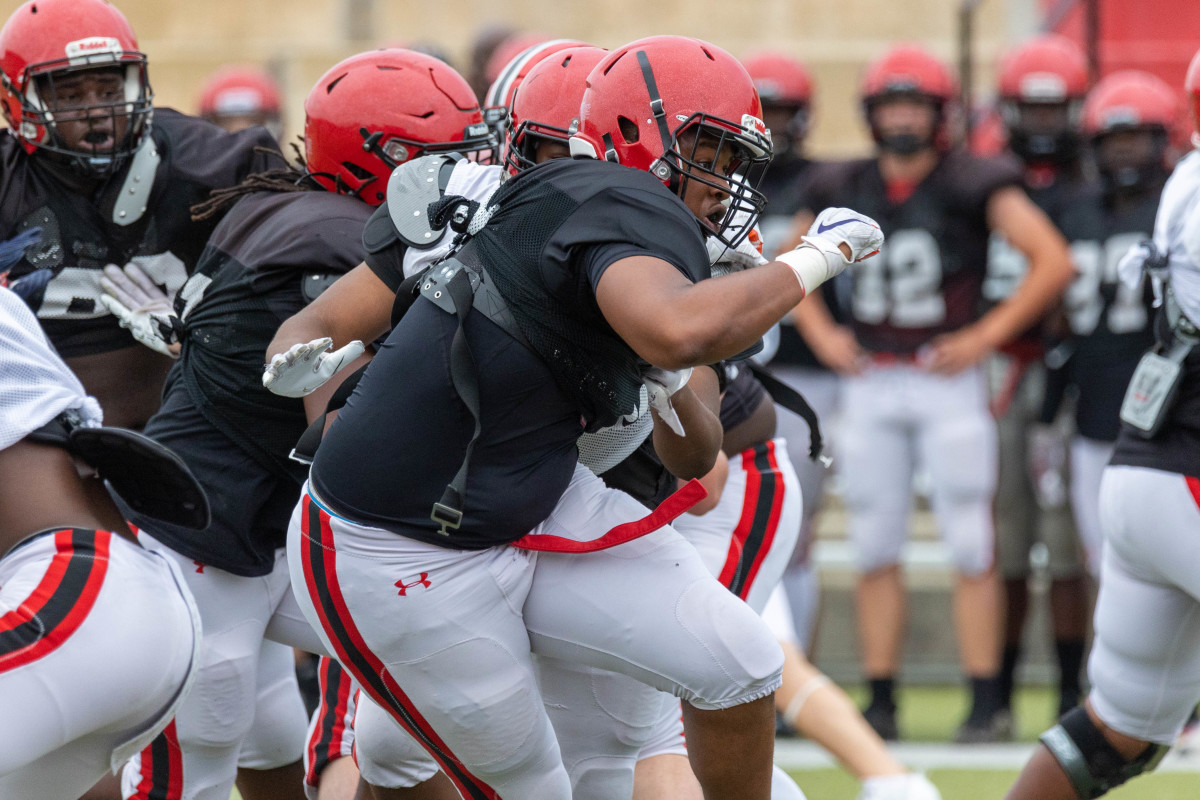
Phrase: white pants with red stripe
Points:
(444, 639)
(896, 417)
(245, 709)
(331, 729)
(1145, 661)
(98, 640)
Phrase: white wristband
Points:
(810, 266)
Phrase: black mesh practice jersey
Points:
(270, 256)
(1110, 322)
(81, 234)
(401, 438)
(1176, 448)
(927, 278)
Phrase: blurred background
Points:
(297, 40)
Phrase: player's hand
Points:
(951, 353)
(660, 385)
(839, 350)
(139, 305)
(1131, 267)
(305, 367)
(746, 255)
(835, 227)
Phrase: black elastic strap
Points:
(406, 295)
(448, 512)
(793, 401)
(656, 102)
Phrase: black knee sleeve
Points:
(1092, 764)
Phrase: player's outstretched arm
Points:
(673, 323)
(328, 334)
(1012, 214)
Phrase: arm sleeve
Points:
(623, 223)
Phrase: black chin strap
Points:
(656, 106)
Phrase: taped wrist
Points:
(1094, 766)
(812, 264)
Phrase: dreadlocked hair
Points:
(291, 177)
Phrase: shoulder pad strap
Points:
(411, 189)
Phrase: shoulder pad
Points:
(379, 231)
(411, 188)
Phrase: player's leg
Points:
(1145, 662)
(747, 540)
(221, 707)
(331, 730)
(875, 463)
(649, 609)
(958, 447)
(391, 761)
(436, 637)
(1088, 459)
(269, 761)
(78, 696)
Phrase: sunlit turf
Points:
(979, 784)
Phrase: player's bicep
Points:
(637, 296)
(357, 305)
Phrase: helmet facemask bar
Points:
(521, 152)
(743, 175)
(134, 108)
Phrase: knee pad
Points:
(1093, 766)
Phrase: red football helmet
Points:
(241, 92)
(547, 104)
(45, 39)
(908, 71)
(1192, 85)
(1130, 100)
(1042, 86)
(376, 110)
(642, 97)
(785, 87)
(498, 101)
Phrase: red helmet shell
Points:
(1130, 99)
(239, 90)
(779, 79)
(908, 69)
(376, 110)
(508, 50)
(44, 37)
(1192, 85)
(1046, 69)
(547, 103)
(694, 79)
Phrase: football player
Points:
(1145, 663)
(529, 599)
(913, 392)
(240, 97)
(284, 236)
(1042, 87)
(99, 638)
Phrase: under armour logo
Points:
(199, 566)
(422, 580)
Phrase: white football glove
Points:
(725, 259)
(303, 368)
(132, 297)
(660, 385)
(833, 227)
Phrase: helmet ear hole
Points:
(629, 129)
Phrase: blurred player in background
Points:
(240, 97)
(913, 391)
(1145, 662)
(1042, 84)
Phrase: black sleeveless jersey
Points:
(81, 234)
(927, 278)
(399, 441)
(268, 258)
(1110, 323)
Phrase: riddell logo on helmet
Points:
(752, 124)
(83, 49)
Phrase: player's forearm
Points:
(1048, 278)
(719, 318)
(357, 307)
(697, 405)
